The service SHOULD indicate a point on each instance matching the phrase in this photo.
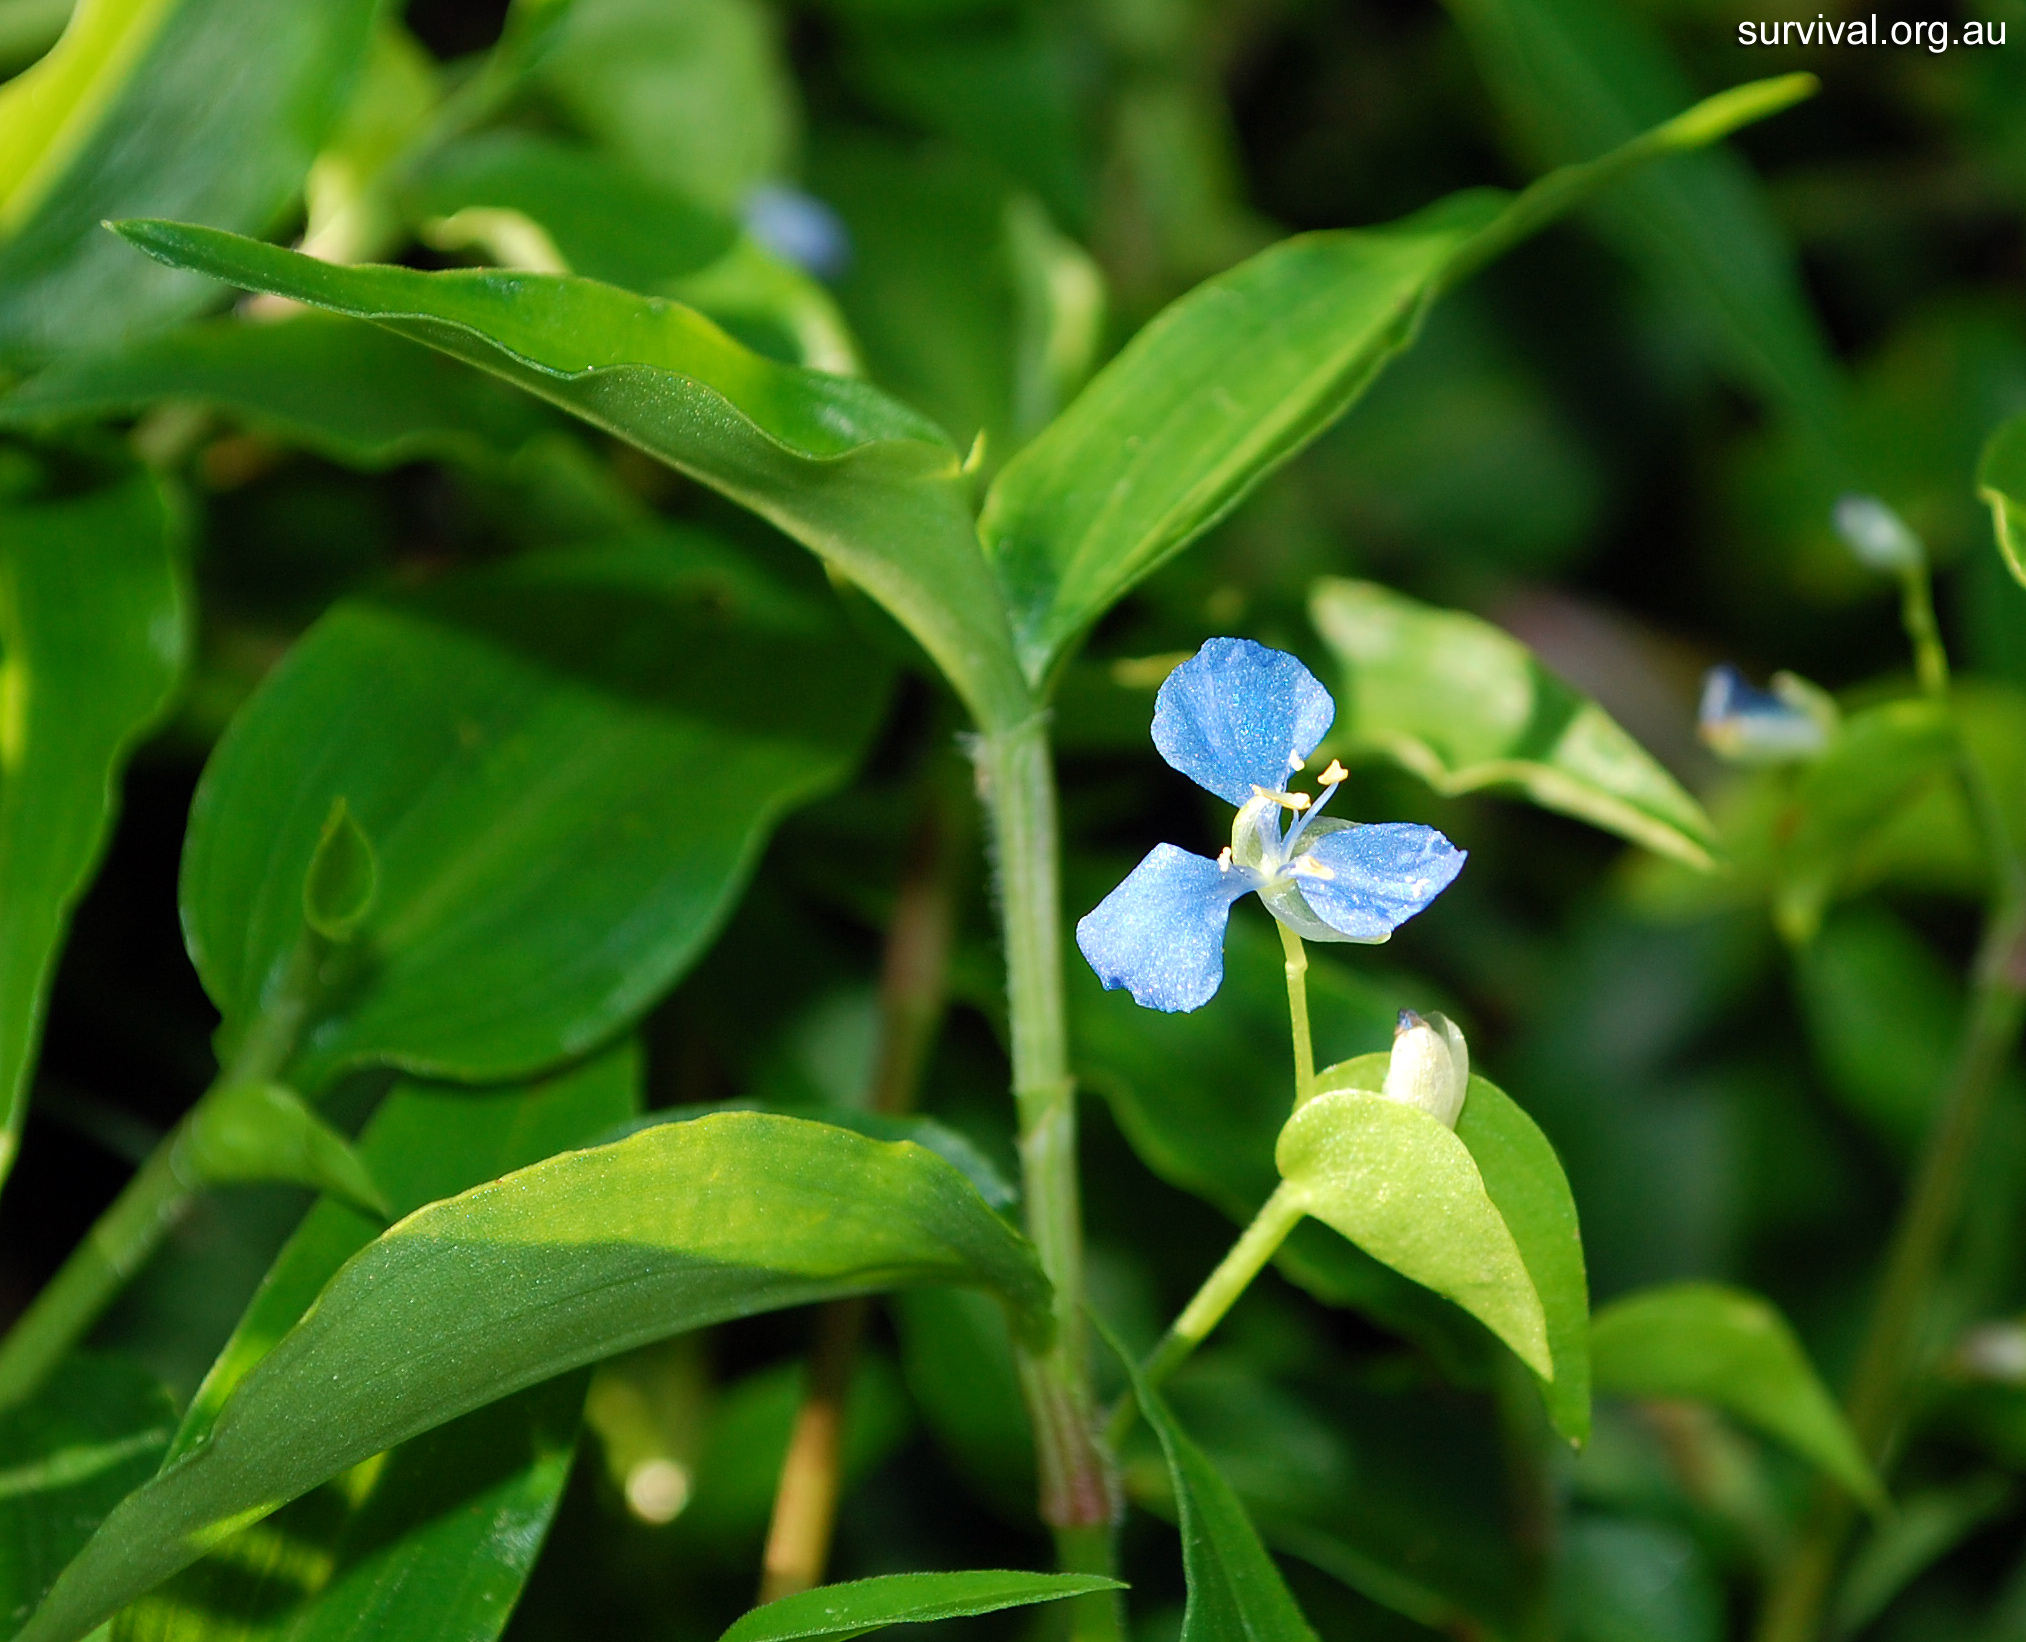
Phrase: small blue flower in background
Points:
(1747, 725)
(1240, 720)
(798, 228)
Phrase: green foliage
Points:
(262, 1131)
(2001, 481)
(870, 1604)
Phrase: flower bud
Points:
(1430, 1068)
(1791, 722)
(1877, 535)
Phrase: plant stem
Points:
(1297, 1009)
(1256, 1245)
(913, 985)
(1892, 1344)
(1017, 777)
(151, 1203)
(1917, 616)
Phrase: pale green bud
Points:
(1430, 1068)
(1877, 536)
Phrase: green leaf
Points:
(567, 766)
(587, 1254)
(1465, 706)
(92, 642)
(1236, 1593)
(343, 877)
(262, 1131)
(1525, 1182)
(140, 109)
(1237, 376)
(870, 486)
(1576, 78)
(1922, 1529)
(2001, 481)
(1630, 1579)
(1730, 1348)
(348, 391)
(446, 1528)
(67, 1457)
(862, 1605)
(1884, 757)
(1402, 1186)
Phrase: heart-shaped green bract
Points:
(1400, 1185)
(588, 1254)
(565, 770)
(1728, 1347)
(210, 110)
(1465, 705)
(93, 634)
(861, 1605)
(861, 480)
(441, 1536)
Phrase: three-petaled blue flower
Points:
(1240, 719)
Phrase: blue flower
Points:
(1747, 725)
(1241, 720)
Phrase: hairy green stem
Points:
(1297, 1010)
(1017, 777)
(150, 1205)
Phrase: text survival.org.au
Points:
(1937, 36)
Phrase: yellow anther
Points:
(1307, 866)
(1294, 763)
(1335, 773)
(1296, 801)
(1224, 859)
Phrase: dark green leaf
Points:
(1236, 1594)
(1727, 1347)
(262, 1131)
(1237, 376)
(1625, 1579)
(2001, 481)
(210, 110)
(591, 1253)
(863, 1605)
(1922, 1529)
(567, 767)
(92, 642)
(67, 1457)
(1465, 706)
(343, 877)
(346, 390)
(868, 484)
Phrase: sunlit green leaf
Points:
(1236, 1594)
(343, 389)
(567, 768)
(1727, 1347)
(862, 1605)
(1236, 377)
(2001, 481)
(591, 1253)
(444, 1531)
(868, 484)
(1466, 706)
(1405, 1189)
(92, 642)
(262, 1131)
(67, 1457)
(150, 107)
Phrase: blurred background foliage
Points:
(1619, 444)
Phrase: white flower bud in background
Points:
(1430, 1068)
(1877, 535)
(1745, 725)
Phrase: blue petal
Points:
(1237, 715)
(1160, 934)
(1384, 874)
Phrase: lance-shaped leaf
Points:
(868, 484)
(445, 1531)
(1466, 706)
(92, 641)
(588, 1254)
(1236, 1594)
(1237, 376)
(348, 391)
(861, 1605)
(209, 110)
(1402, 1186)
(263, 1131)
(565, 768)
(2001, 481)
(1727, 1347)
(1525, 1182)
